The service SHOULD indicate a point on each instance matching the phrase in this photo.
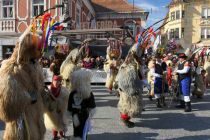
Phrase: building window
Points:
(176, 34)
(206, 12)
(69, 6)
(37, 7)
(205, 33)
(131, 24)
(84, 17)
(7, 8)
(89, 17)
(182, 33)
(183, 13)
(208, 33)
(172, 15)
(177, 14)
(172, 34)
(62, 8)
(78, 15)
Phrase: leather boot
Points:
(128, 123)
(150, 98)
(158, 103)
(182, 104)
(188, 107)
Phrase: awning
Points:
(85, 31)
(67, 33)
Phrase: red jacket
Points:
(169, 76)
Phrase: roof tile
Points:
(114, 6)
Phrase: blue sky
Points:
(156, 8)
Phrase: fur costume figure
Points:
(81, 102)
(21, 85)
(199, 83)
(111, 68)
(69, 66)
(130, 91)
(207, 68)
(114, 52)
(55, 119)
(130, 88)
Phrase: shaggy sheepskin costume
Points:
(199, 83)
(81, 103)
(130, 88)
(21, 85)
(207, 68)
(69, 66)
(111, 67)
(56, 118)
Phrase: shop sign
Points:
(99, 24)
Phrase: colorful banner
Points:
(156, 43)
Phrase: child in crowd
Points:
(81, 103)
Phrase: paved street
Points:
(161, 124)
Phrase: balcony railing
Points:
(38, 23)
(205, 22)
(7, 25)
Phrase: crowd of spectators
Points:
(93, 63)
(44, 62)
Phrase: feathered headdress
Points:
(48, 25)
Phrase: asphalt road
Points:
(167, 123)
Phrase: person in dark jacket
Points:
(81, 103)
(184, 78)
(157, 73)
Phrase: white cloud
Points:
(148, 6)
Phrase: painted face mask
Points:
(77, 99)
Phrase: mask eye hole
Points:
(67, 80)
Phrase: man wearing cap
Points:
(157, 72)
(184, 78)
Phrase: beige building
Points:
(188, 22)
